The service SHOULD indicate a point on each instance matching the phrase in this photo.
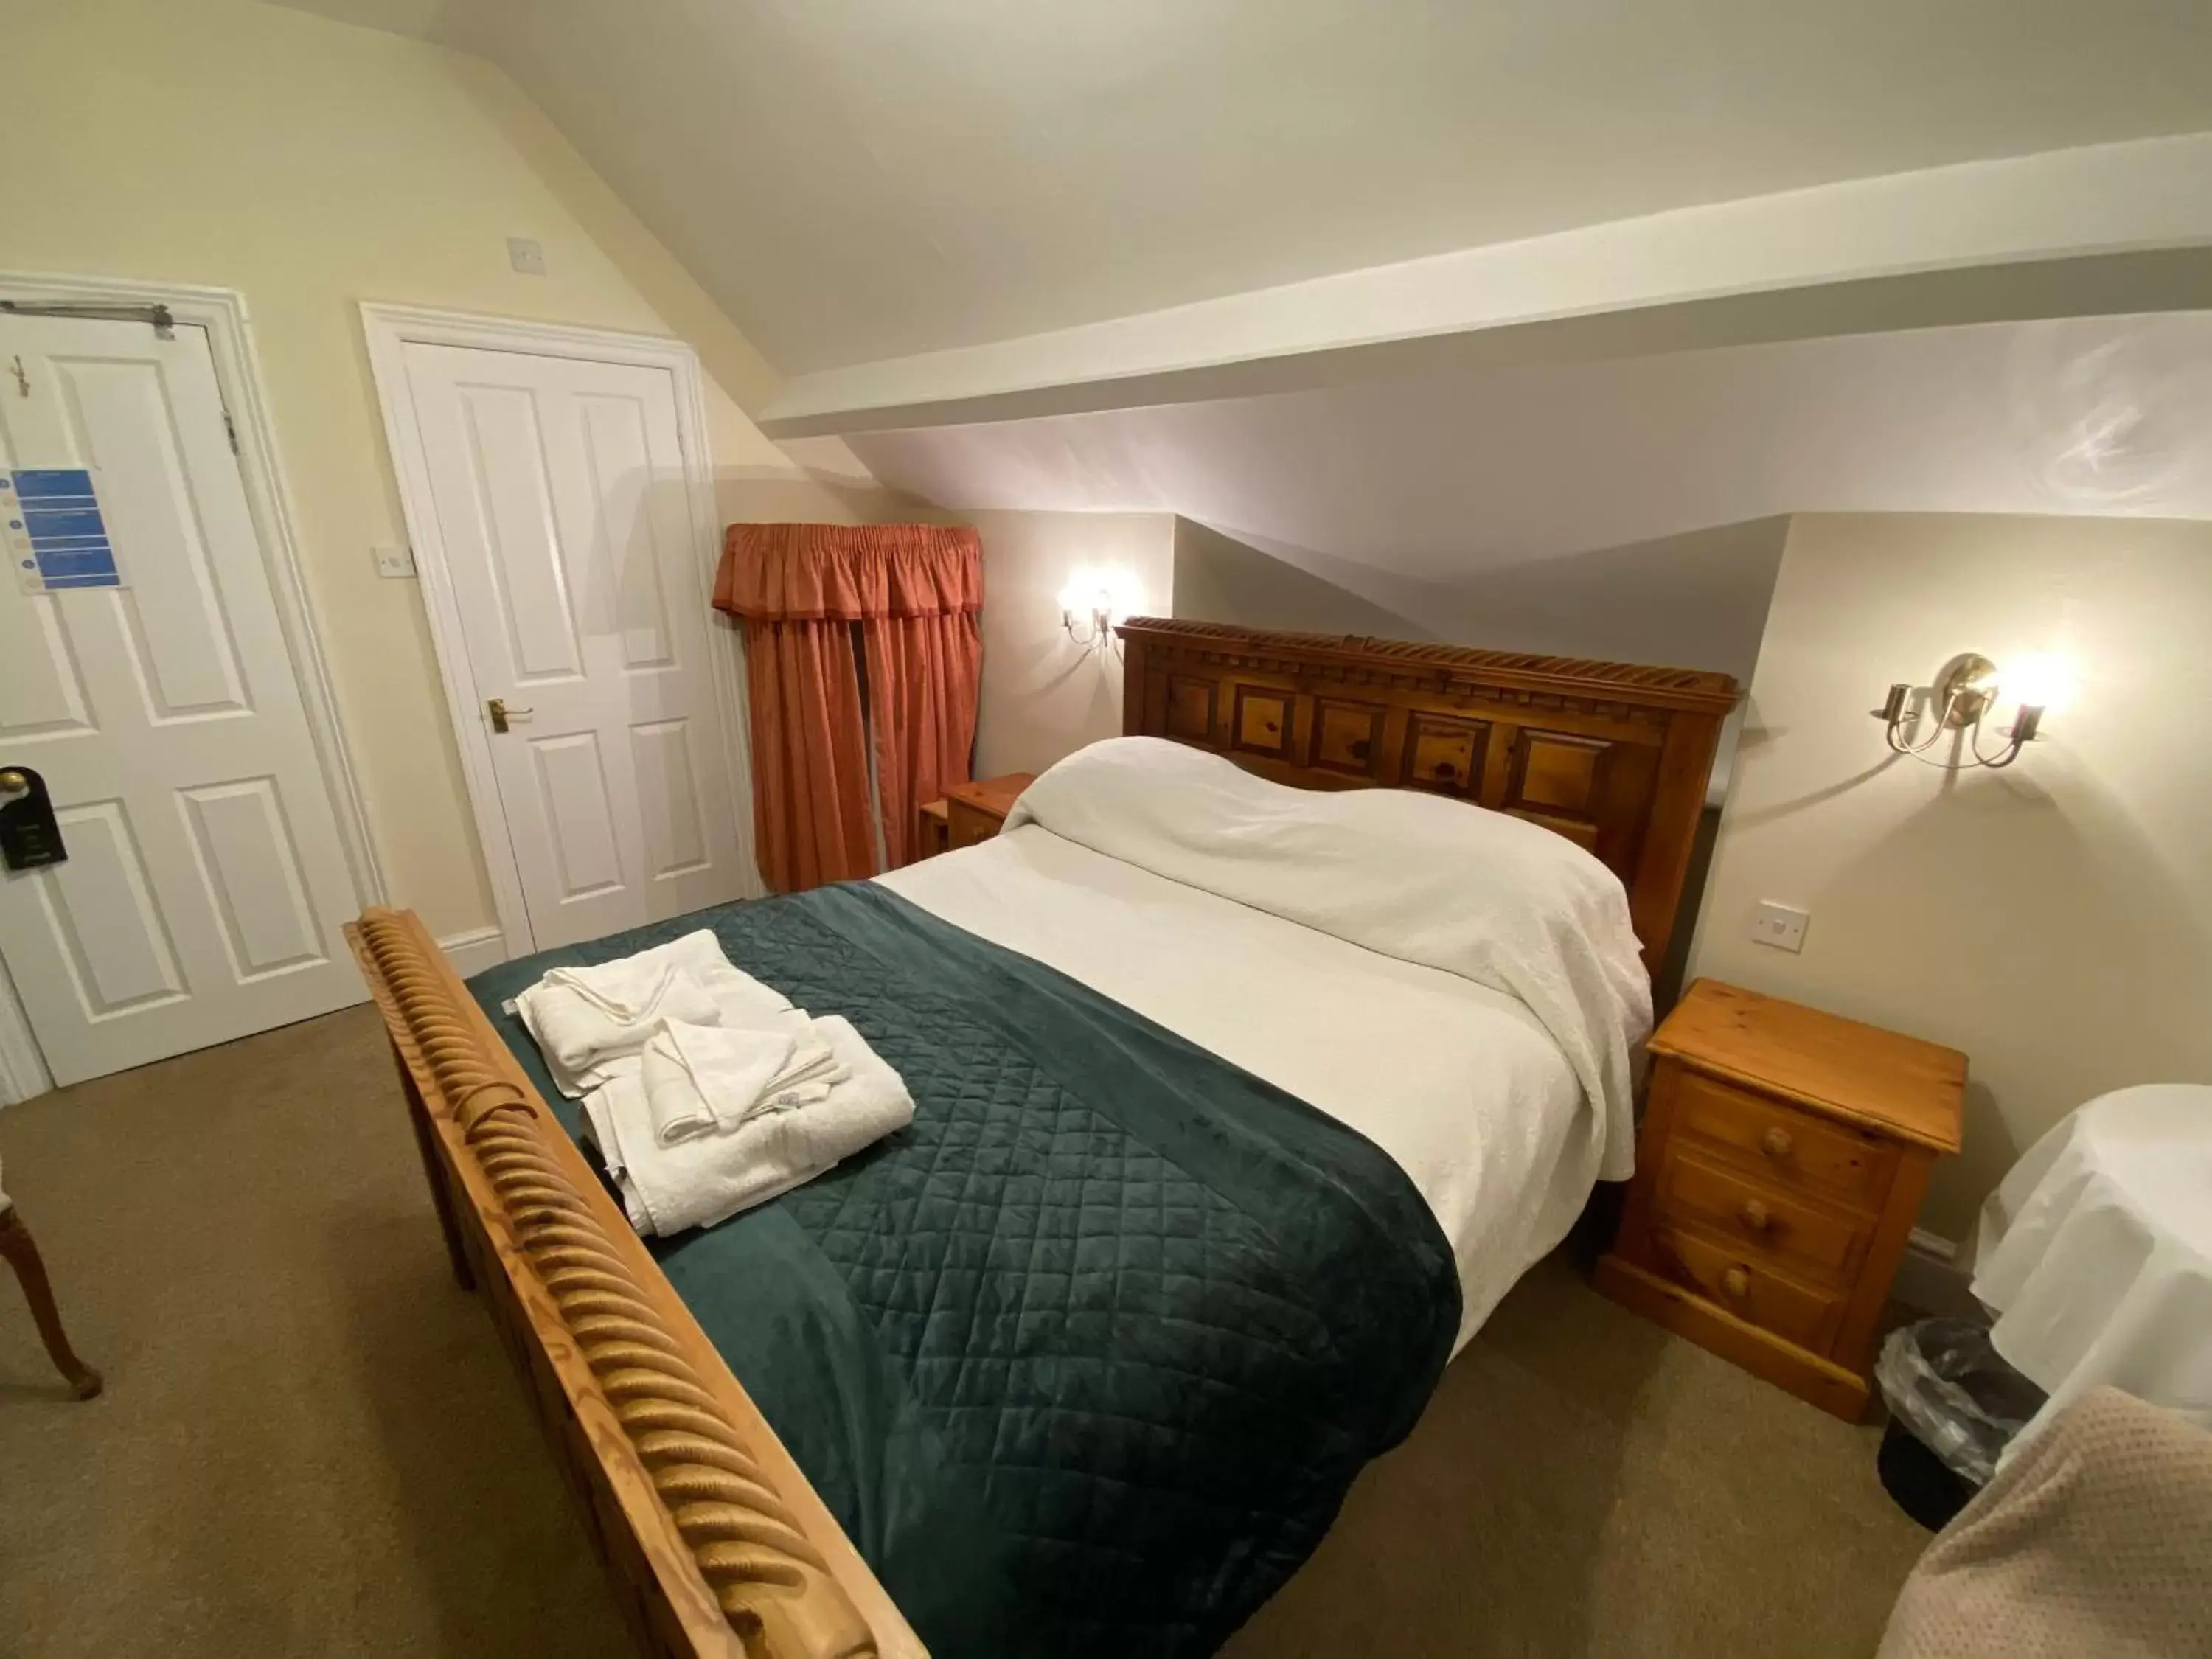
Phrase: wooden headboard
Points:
(1612, 756)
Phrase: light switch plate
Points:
(1779, 925)
(394, 561)
(526, 255)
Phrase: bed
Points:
(1190, 1218)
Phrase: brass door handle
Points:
(500, 714)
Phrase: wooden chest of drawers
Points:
(1781, 1163)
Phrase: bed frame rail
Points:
(713, 1540)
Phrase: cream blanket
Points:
(2093, 1542)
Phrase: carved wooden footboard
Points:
(713, 1541)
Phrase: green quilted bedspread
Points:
(1084, 1359)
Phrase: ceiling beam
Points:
(2105, 229)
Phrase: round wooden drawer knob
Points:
(1775, 1143)
(1754, 1215)
(1737, 1283)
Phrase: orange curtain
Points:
(810, 754)
(923, 674)
(914, 590)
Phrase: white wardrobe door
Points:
(561, 499)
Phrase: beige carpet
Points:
(311, 1444)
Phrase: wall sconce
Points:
(1091, 602)
(1963, 695)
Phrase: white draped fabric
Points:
(2096, 1254)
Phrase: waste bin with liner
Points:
(1955, 1405)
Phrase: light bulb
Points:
(1102, 590)
(2037, 679)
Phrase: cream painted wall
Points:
(1219, 579)
(1695, 600)
(311, 165)
(1043, 697)
(2054, 921)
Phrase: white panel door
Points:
(205, 884)
(563, 512)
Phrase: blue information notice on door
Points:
(55, 535)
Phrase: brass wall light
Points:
(1092, 602)
(1087, 616)
(1964, 695)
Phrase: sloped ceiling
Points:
(854, 179)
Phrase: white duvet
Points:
(1462, 1082)
(1488, 897)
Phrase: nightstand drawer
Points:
(1750, 1290)
(1787, 1145)
(976, 811)
(1762, 1219)
(965, 825)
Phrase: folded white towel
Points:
(710, 1178)
(706, 1079)
(700, 1078)
(813, 1071)
(580, 1027)
(743, 999)
(592, 1024)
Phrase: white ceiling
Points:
(854, 179)
(1450, 474)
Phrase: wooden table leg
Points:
(23, 1255)
(441, 1199)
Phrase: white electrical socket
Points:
(525, 255)
(1779, 925)
(394, 561)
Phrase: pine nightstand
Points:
(1781, 1163)
(970, 813)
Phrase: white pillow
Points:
(1485, 896)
